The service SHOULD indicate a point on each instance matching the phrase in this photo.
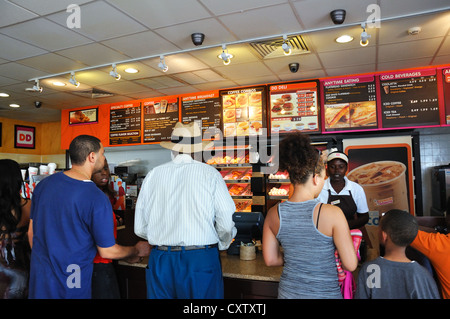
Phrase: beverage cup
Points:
(32, 171)
(51, 168)
(43, 170)
(300, 126)
(23, 171)
(384, 183)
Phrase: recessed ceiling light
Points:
(58, 83)
(4, 95)
(344, 39)
(14, 105)
(131, 70)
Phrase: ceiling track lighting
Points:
(285, 46)
(36, 87)
(72, 80)
(114, 73)
(225, 56)
(364, 36)
(162, 64)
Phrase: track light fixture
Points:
(225, 56)
(364, 36)
(114, 73)
(72, 80)
(35, 88)
(162, 64)
(285, 46)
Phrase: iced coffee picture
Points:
(384, 183)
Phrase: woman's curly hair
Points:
(299, 158)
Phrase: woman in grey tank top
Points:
(308, 231)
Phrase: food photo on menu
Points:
(350, 115)
(242, 114)
(294, 111)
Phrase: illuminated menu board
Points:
(160, 116)
(409, 98)
(243, 111)
(204, 108)
(294, 106)
(446, 84)
(125, 123)
(350, 103)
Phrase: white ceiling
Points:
(35, 42)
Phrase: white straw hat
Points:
(187, 139)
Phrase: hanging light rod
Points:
(331, 27)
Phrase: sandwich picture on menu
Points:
(363, 114)
(337, 115)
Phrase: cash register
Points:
(249, 227)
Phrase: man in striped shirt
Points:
(185, 211)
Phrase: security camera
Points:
(37, 104)
(197, 38)
(337, 16)
(293, 67)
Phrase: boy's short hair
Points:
(81, 146)
(400, 226)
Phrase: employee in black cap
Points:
(340, 191)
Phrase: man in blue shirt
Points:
(70, 220)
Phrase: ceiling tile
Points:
(52, 63)
(11, 14)
(93, 54)
(274, 20)
(20, 72)
(233, 6)
(44, 7)
(156, 13)
(12, 49)
(408, 50)
(141, 44)
(359, 56)
(45, 34)
(100, 21)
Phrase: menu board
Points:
(409, 98)
(125, 123)
(446, 84)
(160, 116)
(294, 106)
(350, 103)
(242, 111)
(205, 109)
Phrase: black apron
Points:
(344, 202)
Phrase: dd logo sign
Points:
(24, 136)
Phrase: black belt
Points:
(180, 248)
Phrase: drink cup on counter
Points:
(43, 170)
(247, 252)
(24, 172)
(51, 168)
(32, 171)
(384, 183)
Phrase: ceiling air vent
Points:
(94, 93)
(272, 48)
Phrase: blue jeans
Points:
(190, 274)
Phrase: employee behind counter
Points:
(338, 190)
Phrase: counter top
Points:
(233, 267)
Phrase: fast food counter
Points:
(243, 279)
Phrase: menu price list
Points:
(446, 84)
(206, 110)
(125, 124)
(243, 111)
(294, 107)
(160, 117)
(409, 99)
(350, 103)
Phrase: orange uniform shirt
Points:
(436, 247)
